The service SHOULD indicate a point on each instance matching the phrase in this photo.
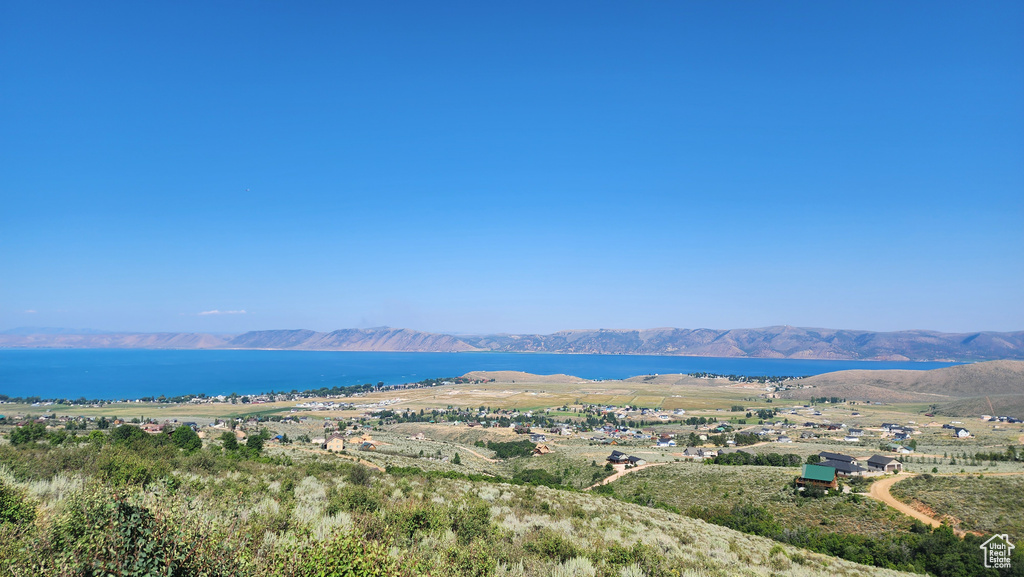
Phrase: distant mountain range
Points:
(783, 342)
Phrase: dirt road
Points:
(621, 470)
(880, 492)
(349, 457)
(478, 455)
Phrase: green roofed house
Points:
(818, 476)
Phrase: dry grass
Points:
(989, 504)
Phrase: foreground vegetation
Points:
(450, 496)
(120, 504)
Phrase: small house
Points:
(541, 450)
(844, 468)
(884, 464)
(961, 433)
(617, 457)
(827, 456)
(335, 443)
(693, 453)
(635, 461)
(538, 438)
(818, 476)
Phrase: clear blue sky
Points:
(512, 167)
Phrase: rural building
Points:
(617, 457)
(335, 443)
(844, 468)
(538, 438)
(827, 456)
(885, 464)
(961, 433)
(635, 460)
(699, 453)
(541, 450)
(818, 476)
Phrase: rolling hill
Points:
(782, 342)
(963, 390)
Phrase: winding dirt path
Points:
(620, 472)
(880, 492)
(478, 455)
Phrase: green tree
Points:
(813, 459)
(29, 433)
(186, 439)
(228, 441)
(126, 434)
(457, 460)
(103, 423)
(255, 443)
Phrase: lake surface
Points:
(130, 374)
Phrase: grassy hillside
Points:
(145, 508)
(983, 503)
(933, 386)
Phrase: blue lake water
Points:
(130, 374)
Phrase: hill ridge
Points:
(781, 342)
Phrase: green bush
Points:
(536, 477)
(186, 439)
(127, 434)
(510, 449)
(357, 499)
(551, 545)
(228, 441)
(472, 522)
(14, 507)
(344, 555)
(30, 433)
(122, 467)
